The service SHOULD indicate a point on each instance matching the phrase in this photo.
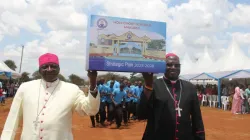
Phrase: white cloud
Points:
(240, 15)
(62, 43)
(138, 9)
(62, 17)
(15, 20)
(241, 38)
(203, 40)
(177, 44)
(177, 40)
(14, 15)
(199, 23)
(59, 15)
(204, 16)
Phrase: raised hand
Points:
(92, 79)
(148, 78)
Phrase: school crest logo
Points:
(129, 36)
(102, 23)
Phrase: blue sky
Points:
(26, 36)
(240, 1)
(64, 26)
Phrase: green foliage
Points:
(36, 75)
(76, 80)
(62, 78)
(11, 64)
(110, 75)
(25, 77)
(156, 44)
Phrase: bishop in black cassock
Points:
(170, 106)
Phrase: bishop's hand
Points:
(148, 78)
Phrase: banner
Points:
(125, 45)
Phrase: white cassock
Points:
(54, 110)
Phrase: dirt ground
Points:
(219, 125)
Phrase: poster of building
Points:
(125, 45)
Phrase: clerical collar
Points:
(171, 81)
(50, 84)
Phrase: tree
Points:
(108, 76)
(11, 64)
(156, 44)
(25, 77)
(76, 80)
(132, 75)
(36, 75)
(137, 79)
(62, 78)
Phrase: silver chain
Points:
(171, 93)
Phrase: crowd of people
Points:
(7, 89)
(241, 100)
(118, 102)
(238, 96)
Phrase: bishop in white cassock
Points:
(46, 105)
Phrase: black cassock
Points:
(163, 121)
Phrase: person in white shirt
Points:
(46, 105)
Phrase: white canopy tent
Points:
(203, 64)
(5, 69)
(232, 59)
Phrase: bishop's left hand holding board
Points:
(46, 104)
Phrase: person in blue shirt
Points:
(110, 105)
(140, 86)
(112, 79)
(128, 101)
(137, 93)
(117, 84)
(118, 98)
(103, 90)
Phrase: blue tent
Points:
(234, 74)
(6, 72)
(5, 75)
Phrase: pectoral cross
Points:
(35, 123)
(179, 111)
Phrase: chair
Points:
(225, 103)
(215, 100)
(210, 100)
(204, 99)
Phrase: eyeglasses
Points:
(175, 65)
